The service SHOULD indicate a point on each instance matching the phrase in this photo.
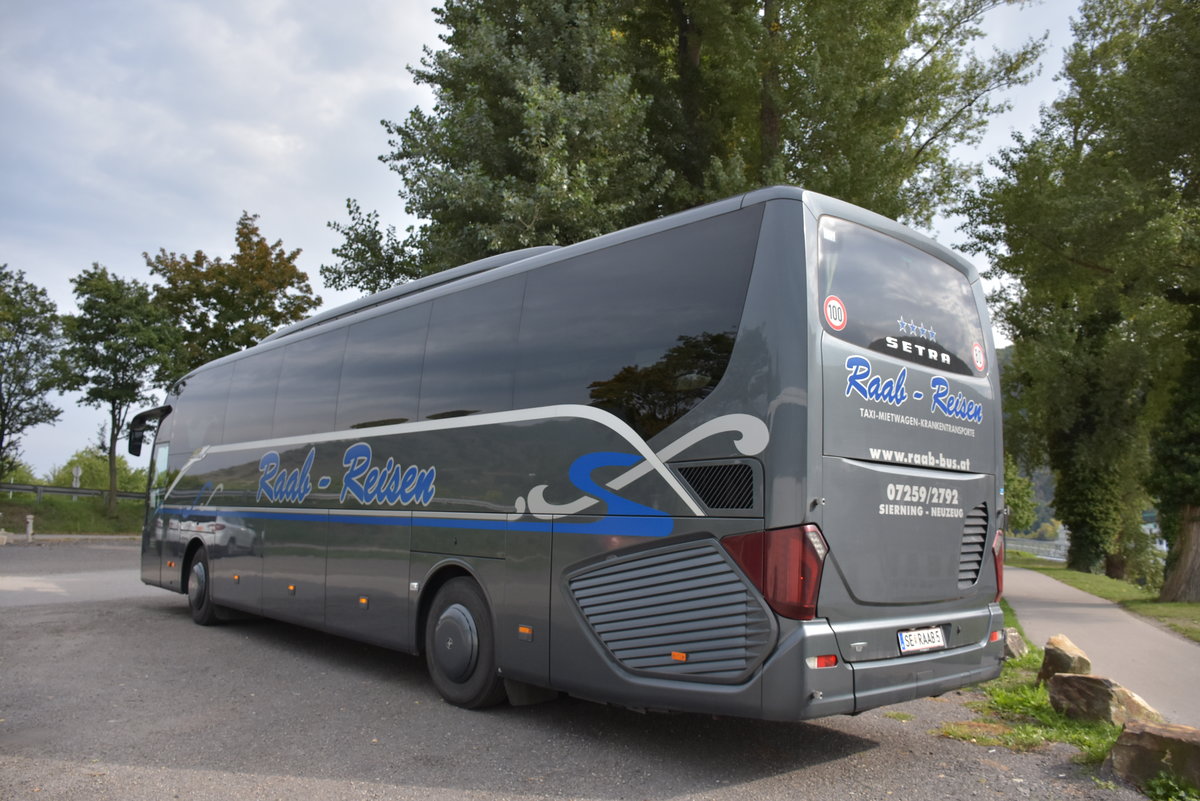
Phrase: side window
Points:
(469, 355)
(308, 384)
(643, 329)
(199, 415)
(252, 396)
(381, 374)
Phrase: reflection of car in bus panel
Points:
(742, 460)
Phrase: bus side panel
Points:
(153, 534)
(523, 615)
(366, 580)
(293, 583)
(236, 562)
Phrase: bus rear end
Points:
(905, 535)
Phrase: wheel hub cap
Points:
(455, 642)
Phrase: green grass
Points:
(1016, 714)
(1180, 617)
(61, 515)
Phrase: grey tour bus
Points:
(743, 460)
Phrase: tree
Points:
(29, 338)
(536, 138)
(224, 306)
(1092, 223)
(1018, 496)
(113, 349)
(557, 120)
(93, 464)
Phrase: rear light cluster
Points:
(998, 557)
(785, 565)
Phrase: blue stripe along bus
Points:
(743, 460)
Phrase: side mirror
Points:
(136, 437)
(146, 421)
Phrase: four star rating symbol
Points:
(911, 327)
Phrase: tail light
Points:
(785, 565)
(998, 557)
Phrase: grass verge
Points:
(61, 515)
(1182, 618)
(1015, 713)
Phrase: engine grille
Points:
(974, 544)
(722, 486)
(682, 612)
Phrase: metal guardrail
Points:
(39, 490)
(1047, 549)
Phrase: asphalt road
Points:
(1159, 665)
(108, 691)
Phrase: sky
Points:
(134, 125)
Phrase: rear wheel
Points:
(460, 648)
(199, 589)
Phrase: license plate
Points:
(916, 640)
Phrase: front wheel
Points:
(199, 589)
(460, 648)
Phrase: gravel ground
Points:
(127, 699)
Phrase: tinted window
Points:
(199, 413)
(381, 375)
(308, 384)
(643, 329)
(469, 356)
(252, 396)
(883, 294)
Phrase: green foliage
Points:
(1048, 531)
(1092, 229)
(222, 306)
(29, 339)
(557, 120)
(1018, 496)
(113, 348)
(93, 462)
(20, 473)
(1017, 714)
(58, 514)
(1166, 787)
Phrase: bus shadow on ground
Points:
(566, 747)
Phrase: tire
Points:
(199, 589)
(460, 647)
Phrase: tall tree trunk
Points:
(769, 133)
(113, 433)
(691, 94)
(1182, 583)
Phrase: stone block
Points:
(1147, 749)
(1014, 644)
(1063, 656)
(1097, 698)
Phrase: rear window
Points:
(885, 295)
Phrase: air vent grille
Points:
(974, 544)
(683, 612)
(722, 486)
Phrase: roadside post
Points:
(29, 528)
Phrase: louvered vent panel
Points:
(722, 486)
(650, 609)
(974, 543)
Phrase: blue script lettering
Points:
(873, 387)
(957, 406)
(387, 484)
(278, 485)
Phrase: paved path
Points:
(1160, 666)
